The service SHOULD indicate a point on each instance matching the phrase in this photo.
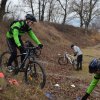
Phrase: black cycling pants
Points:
(13, 49)
(79, 61)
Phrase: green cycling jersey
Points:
(18, 29)
(93, 83)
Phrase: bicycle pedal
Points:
(35, 75)
(22, 70)
(30, 77)
(15, 72)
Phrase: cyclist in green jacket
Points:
(94, 67)
(14, 41)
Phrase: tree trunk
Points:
(81, 22)
(81, 14)
(39, 10)
(32, 7)
(64, 19)
(86, 27)
(2, 9)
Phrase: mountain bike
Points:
(66, 58)
(34, 72)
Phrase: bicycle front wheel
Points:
(63, 61)
(74, 64)
(35, 74)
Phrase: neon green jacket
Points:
(18, 29)
(93, 83)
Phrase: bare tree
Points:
(51, 8)
(41, 7)
(56, 15)
(86, 10)
(2, 9)
(13, 11)
(8, 12)
(77, 6)
(65, 9)
(80, 13)
(31, 4)
(89, 12)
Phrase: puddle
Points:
(78, 98)
(50, 96)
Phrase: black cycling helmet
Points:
(31, 17)
(94, 65)
(72, 45)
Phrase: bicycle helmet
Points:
(31, 17)
(72, 45)
(94, 65)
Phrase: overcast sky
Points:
(16, 2)
(14, 6)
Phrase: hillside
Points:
(57, 39)
(56, 34)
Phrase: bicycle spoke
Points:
(63, 61)
(4, 61)
(35, 75)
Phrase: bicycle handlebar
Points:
(29, 47)
(32, 48)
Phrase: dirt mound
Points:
(77, 35)
(52, 34)
(56, 39)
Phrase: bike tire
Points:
(33, 72)
(4, 58)
(74, 64)
(4, 61)
(38, 52)
(63, 61)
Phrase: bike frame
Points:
(27, 56)
(69, 57)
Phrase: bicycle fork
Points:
(64, 57)
(23, 62)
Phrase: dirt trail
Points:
(67, 77)
(57, 38)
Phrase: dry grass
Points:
(56, 39)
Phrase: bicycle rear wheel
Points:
(35, 74)
(63, 61)
(74, 64)
(4, 61)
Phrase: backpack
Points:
(11, 23)
(15, 22)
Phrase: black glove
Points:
(40, 46)
(21, 48)
(85, 96)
